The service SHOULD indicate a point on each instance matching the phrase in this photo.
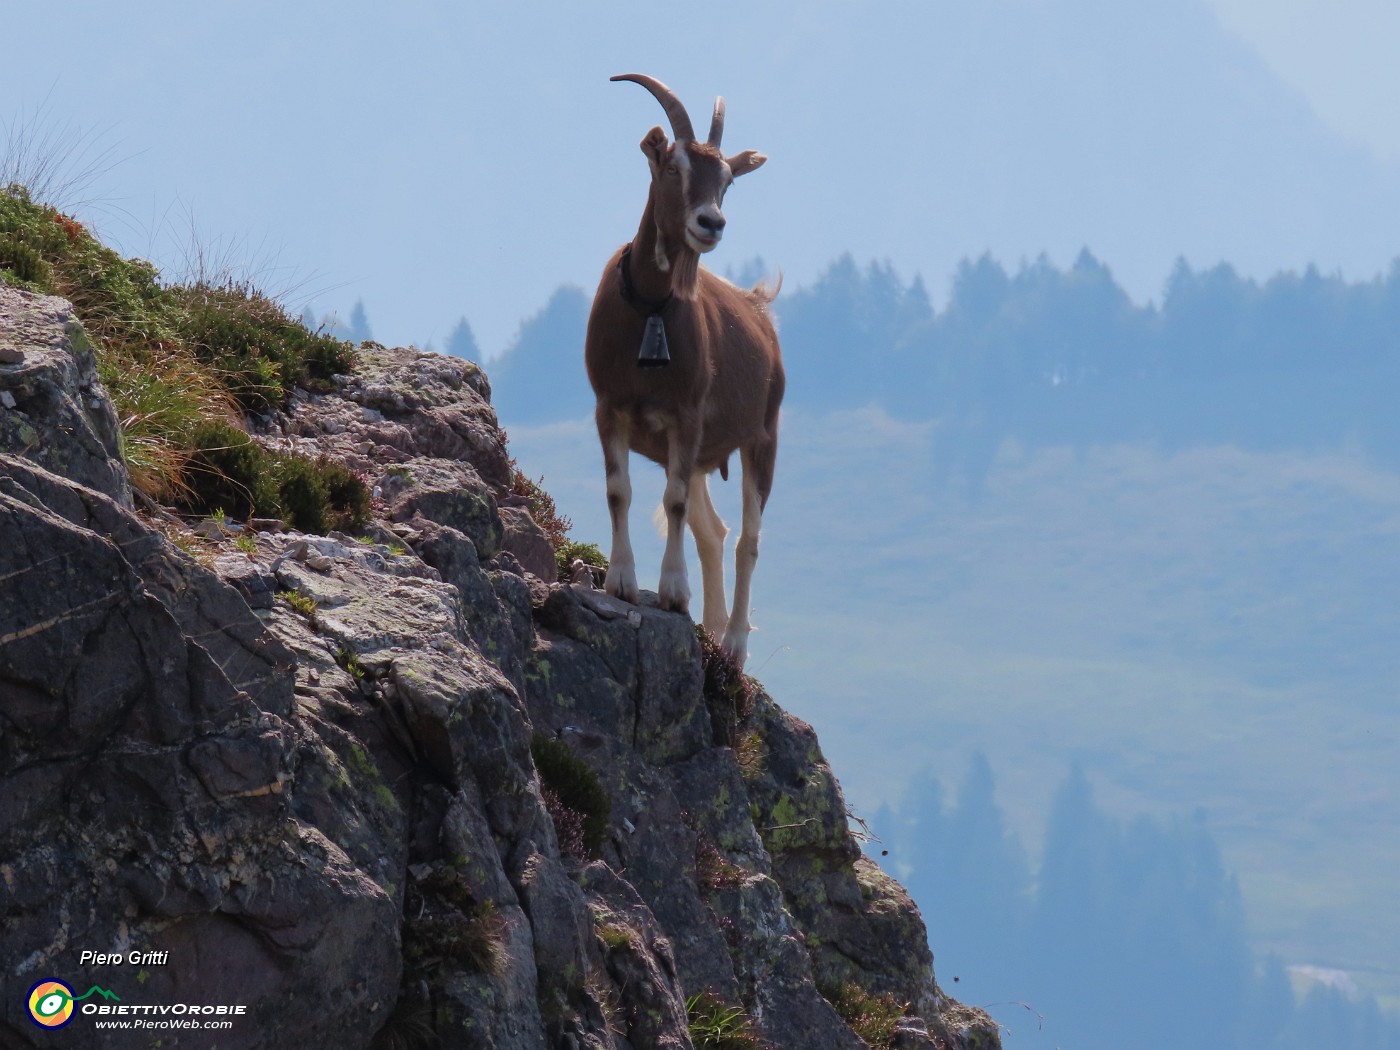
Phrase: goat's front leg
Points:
(621, 580)
(682, 442)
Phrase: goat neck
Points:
(662, 264)
(650, 279)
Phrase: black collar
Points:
(645, 307)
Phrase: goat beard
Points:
(685, 272)
(683, 266)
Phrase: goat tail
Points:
(764, 293)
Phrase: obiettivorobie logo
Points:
(51, 1002)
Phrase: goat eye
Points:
(671, 169)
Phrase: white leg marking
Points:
(621, 580)
(736, 636)
(709, 532)
(674, 589)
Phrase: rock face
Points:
(53, 410)
(303, 767)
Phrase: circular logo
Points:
(51, 1004)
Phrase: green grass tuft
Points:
(301, 603)
(717, 1025)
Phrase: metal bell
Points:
(654, 352)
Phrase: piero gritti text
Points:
(132, 958)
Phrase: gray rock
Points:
(56, 412)
(144, 792)
(527, 541)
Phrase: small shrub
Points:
(347, 497)
(304, 494)
(716, 1025)
(229, 469)
(872, 1017)
(566, 552)
(320, 496)
(576, 789)
(22, 265)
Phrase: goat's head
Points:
(689, 178)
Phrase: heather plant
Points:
(729, 693)
(871, 1016)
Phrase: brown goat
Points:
(716, 380)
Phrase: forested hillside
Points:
(1050, 356)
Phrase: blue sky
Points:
(440, 160)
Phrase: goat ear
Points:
(743, 163)
(654, 146)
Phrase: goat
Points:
(720, 379)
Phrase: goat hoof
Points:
(736, 646)
(621, 582)
(674, 595)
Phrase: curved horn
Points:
(680, 120)
(717, 123)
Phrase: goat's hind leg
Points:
(709, 532)
(758, 482)
(613, 432)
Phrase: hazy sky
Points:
(440, 160)
(1339, 55)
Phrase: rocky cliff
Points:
(400, 789)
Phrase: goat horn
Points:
(680, 120)
(717, 123)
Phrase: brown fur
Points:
(726, 370)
